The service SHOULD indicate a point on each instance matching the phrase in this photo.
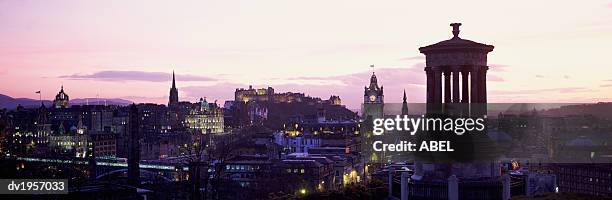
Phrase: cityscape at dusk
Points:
(286, 100)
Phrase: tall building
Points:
(61, 99)
(173, 99)
(134, 145)
(405, 105)
(373, 99)
(372, 108)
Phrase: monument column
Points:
(447, 86)
(474, 75)
(465, 91)
(483, 84)
(430, 84)
(437, 85)
(455, 71)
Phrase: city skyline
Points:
(333, 99)
(122, 55)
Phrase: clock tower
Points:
(373, 93)
(373, 99)
(372, 108)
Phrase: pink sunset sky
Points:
(545, 51)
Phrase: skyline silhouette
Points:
(119, 54)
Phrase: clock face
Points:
(372, 98)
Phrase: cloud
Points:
(386, 76)
(540, 91)
(219, 91)
(539, 76)
(418, 57)
(498, 67)
(606, 85)
(353, 48)
(135, 76)
(566, 77)
(491, 77)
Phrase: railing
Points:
(481, 190)
(396, 190)
(438, 190)
(427, 190)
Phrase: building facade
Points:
(61, 99)
(206, 118)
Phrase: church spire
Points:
(405, 105)
(173, 97)
(173, 80)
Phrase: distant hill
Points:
(100, 101)
(12, 103)
(602, 109)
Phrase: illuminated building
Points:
(268, 95)
(298, 137)
(372, 108)
(104, 144)
(61, 99)
(246, 95)
(120, 128)
(316, 173)
(336, 140)
(248, 170)
(43, 128)
(296, 143)
(334, 100)
(205, 118)
(27, 130)
(71, 141)
(154, 118)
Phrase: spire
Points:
(373, 81)
(173, 81)
(173, 98)
(405, 105)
